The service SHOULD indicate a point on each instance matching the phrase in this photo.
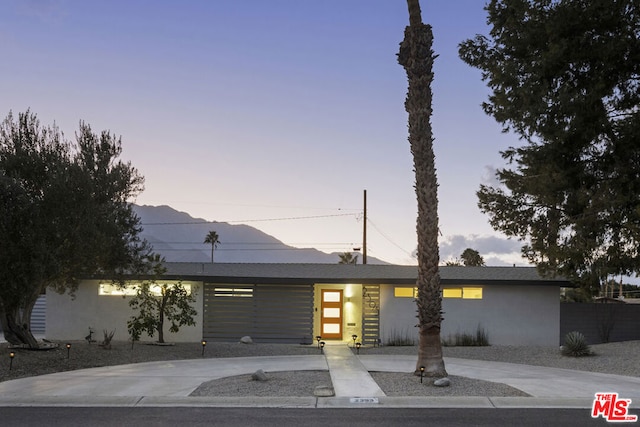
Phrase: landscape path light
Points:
(354, 337)
(358, 347)
(421, 373)
(318, 338)
(68, 349)
(204, 345)
(321, 346)
(11, 356)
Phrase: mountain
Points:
(179, 237)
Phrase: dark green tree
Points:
(64, 214)
(471, 258)
(565, 77)
(157, 302)
(416, 56)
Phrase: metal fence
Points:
(601, 322)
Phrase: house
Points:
(297, 302)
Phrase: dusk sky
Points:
(272, 113)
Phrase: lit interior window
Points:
(130, 290)
(400, 292)
(109, 289)
(332, 313)
(331, 296)
(472, 293)
(464, 293)
(331, 328)
(452, 293)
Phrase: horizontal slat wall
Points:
(225, 315)
(284, 313)
(38, 315)
(370, 314)
(274, 313)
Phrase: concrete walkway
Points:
(538, 381)
(170, 383)
(349, 376)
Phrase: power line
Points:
(236, 250)
(326, 245)
(250, 205)
(162, 246)
(261, 243)
(387, 237)
(249, 220)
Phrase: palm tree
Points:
(416, 56)
(213, 240)
(348, 258)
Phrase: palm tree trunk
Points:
(416, 56)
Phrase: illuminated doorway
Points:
(331, 318)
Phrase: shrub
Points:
(400, 339)
(463, 339)
(575, 345)
(156, 303)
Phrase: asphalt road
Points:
(281, 417)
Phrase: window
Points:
(332, 296)
(108, 289)
(452, 293)
(233, 292)
(463, 292)
(400, 292)
(472, 293)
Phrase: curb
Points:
(305, 402)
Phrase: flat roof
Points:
(349, 273)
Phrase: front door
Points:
(331, 319)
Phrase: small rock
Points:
(442, 382)
(323, 391)
(246, 340)
(259, 375)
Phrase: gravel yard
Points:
(83, 355)
(614, 358)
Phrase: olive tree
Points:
(65, 213)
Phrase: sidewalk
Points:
(169, 383)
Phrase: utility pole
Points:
(364, 231)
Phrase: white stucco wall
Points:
(511, 315)
(69, 318)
